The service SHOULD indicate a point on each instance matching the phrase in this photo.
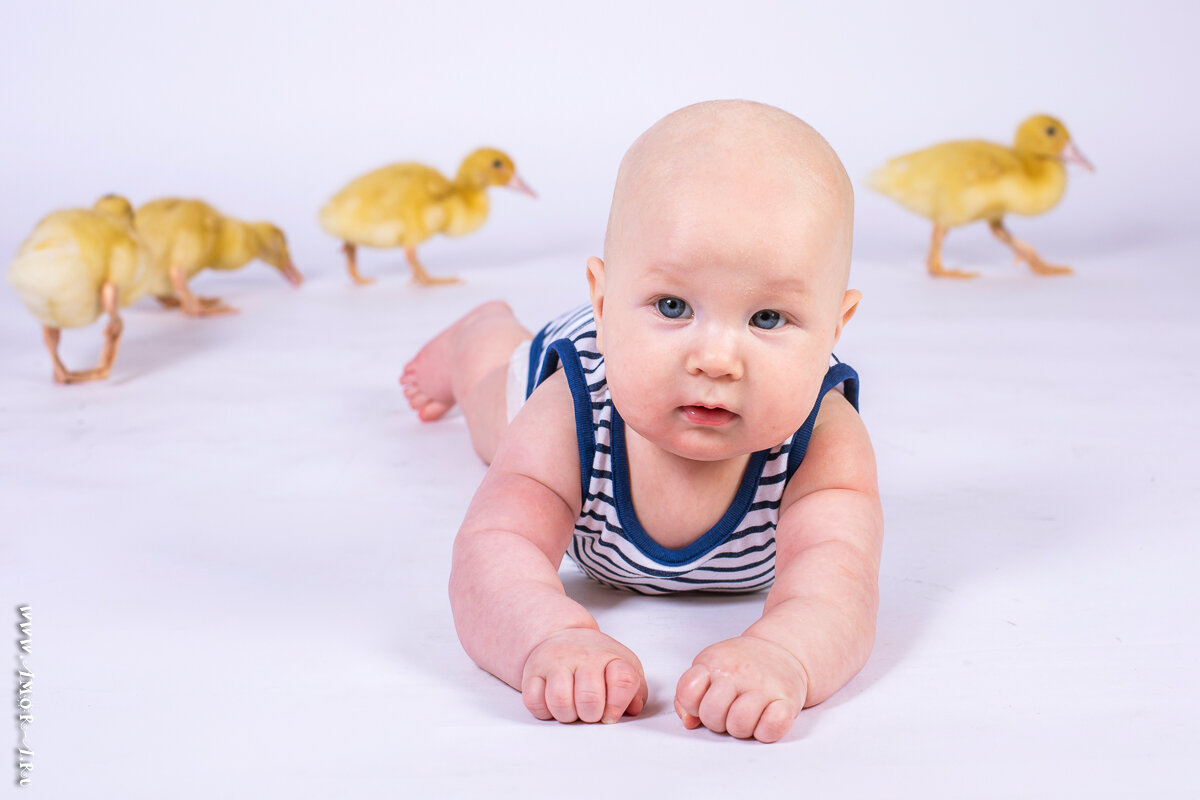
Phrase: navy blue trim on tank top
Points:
(535, 352)
(838, 373)
(632, 527)
(563, 351)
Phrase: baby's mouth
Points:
(703, 415)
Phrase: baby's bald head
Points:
(746, 154)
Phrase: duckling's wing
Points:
(392, 206)
(177, 232)
(131, 267)
(948, 183)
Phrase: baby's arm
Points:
(512, 615)
(818, 624)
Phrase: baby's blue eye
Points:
(766, 319)
(672, 307)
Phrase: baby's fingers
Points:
(714, 708)
(533, 695)
(589, 694)
(552, 697)
(626, 691)
(775, 721)
(688, 694)
(753, 714)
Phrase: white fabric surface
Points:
(236, 551)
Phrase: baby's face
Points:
(718, 311)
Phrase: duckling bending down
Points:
(77, 264)
(402, 205)
(959, 182)
(187, 236)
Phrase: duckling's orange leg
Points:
(112, 331)
(419, 274)
(112, 338)
(934, 260)
(1026, 253)
(51, 337)
(352, 264)
(195, 306)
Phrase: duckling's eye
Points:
(497, 164)
(1051, 131)
(766, 319)
(672, 307)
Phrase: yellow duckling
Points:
(959, 182)
(402, 205)
(187, 236)
(77, 264)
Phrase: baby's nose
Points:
(716, 354)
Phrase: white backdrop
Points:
(236, 547)
(267, 108)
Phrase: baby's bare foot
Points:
(426, 379)
(458, 357)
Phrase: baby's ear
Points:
(595, 276)
(849, 306)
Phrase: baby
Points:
(680, 433)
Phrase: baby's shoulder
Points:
(541, 441)
(838, 454)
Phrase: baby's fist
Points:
(746, 686)
(581, 673)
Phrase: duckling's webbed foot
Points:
(195, 306)
(934, 260)
(168, 301)
(1024, 252)
(420, 276)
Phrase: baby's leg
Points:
(468, 364)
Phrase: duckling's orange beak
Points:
(1071, 153)
(519, 185)
(292, 274)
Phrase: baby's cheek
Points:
(788, 413)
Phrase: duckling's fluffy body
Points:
(959, 182)
(402, 205)
(59, 270)
(955, 183)
(191, 235)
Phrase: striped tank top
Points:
(609, 544)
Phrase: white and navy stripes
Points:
(610, 545)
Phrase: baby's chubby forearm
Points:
(515, 621)
(507, 599)
(823, 606)
(816, 630)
